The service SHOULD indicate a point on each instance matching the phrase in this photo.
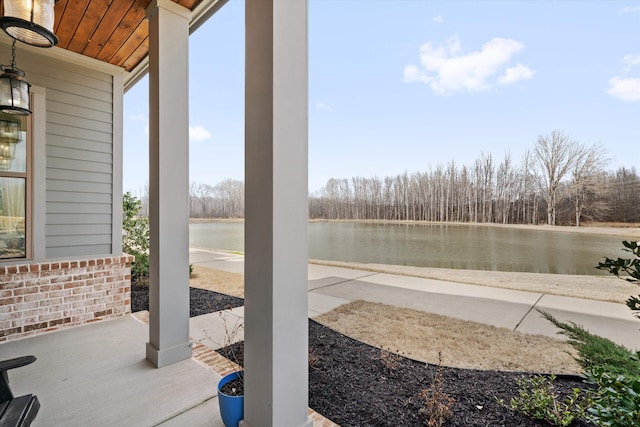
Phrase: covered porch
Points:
(100, 363)
(97, 375)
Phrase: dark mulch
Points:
(349, 384)
(201, 301)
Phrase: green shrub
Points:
(616, 402)
(595, 352)
(627, 269)
(135, 238)
(537, 399)
(612, 368)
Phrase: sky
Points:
(405, 85)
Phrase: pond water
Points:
(460, 246)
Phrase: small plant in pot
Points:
(231, 386)
(231, 398)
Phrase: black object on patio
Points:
(16, 411)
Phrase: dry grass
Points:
(463, 344)
(422, 335)
(219, 281)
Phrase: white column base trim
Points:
(162, 358)
(308, 423)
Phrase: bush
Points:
(537, 399)
(595, 352)
(135, 238)
(616, 402)
(612, 368)
(627, 269)
(436, 404)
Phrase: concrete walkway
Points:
(330, 287)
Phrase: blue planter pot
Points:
(231, 407)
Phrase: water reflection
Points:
(460, 246)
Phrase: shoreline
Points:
(629, 231)
(601, 288)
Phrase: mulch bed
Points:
(350, 384)
(201, 300)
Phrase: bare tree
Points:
(487, 183)
(204, 192)
(623, 189)
(230, 198)
(193, 198)
(527, 195)
(554, 157)
(505, 183)
(587, 173)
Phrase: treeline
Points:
(223, 200)
(559, 181)
(481, 193)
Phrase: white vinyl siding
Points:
(79, 155)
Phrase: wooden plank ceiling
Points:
(112, 31)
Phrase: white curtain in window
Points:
(13, 204)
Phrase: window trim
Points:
(26, 176)
(35, 190)
(36, 204)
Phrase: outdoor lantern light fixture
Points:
(14, 89)
(9, 137)
(30, 21)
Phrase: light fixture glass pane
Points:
(27, 36)
(43, 15)
(14, 93)
(12, 217)
(5, 91)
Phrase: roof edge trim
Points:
(68, 56)
(205, 10)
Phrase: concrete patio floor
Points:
(97, 375)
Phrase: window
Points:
(14, 189)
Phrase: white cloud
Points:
(447, 69)
(438, 19)
(630, 9)
(630, 61)
(323, 106)
(515, 74)
(198, 133)
(138, 117)
(627, 89)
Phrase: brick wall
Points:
(42, 297)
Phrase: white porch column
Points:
(276, 212)
(168, 183)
